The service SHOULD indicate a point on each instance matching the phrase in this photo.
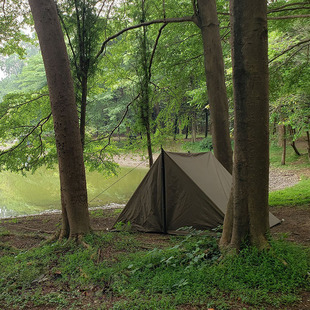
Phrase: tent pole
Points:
(163, 192)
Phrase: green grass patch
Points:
(197, 275)
(292, 160)
(189, 271)
(296, 195)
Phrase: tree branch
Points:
(188, 60)
(40, 124)
(302, 4)
(288, 59)
(21, 104)
(119, 123)
(156, 21)
(154, 49)
(289, 48)
(288, 17)
(69, 40)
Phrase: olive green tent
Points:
(181, 190)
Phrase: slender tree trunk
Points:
(293, 144)
(308, 146)
(283, 145)
(66, 124)
(149, 148)
(214, 68)
(144, 104)
(186, 132)
(194, 125)
(280, 135)
(175, 128)
(207, 123)
(248, 219)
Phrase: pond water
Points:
(39, 192)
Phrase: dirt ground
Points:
(27, 232)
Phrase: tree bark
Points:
(248, 216)
(75, 216)
(214, 68)
(280, 135)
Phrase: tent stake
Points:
(163, 191)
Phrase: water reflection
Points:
(39, 192)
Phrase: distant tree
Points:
(75, 217)
(83, 27)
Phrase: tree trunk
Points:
(247, 218)
(308, 139)
(187, 129)
(149, 147)
(176, 122)
(293, 145)
(144, 104)
(207, 122)
(280, 135)
(194, 125)
(214, 68)
(283, 145)
(66, 123)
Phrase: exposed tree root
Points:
(34, 229)
(75, 238)
(8, 247)
(52, 238)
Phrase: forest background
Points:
(141, 86)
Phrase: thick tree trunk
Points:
(214, 68)
(66, 124)
(248, 215)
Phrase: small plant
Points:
(123, 227)
(204, 145)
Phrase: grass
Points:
(117, 274)
(296, 195)
(299, 194)
(293, 161)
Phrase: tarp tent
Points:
(181, 190)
